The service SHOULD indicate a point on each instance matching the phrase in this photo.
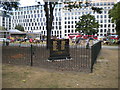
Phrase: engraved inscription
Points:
(55, 48)
(62, 45)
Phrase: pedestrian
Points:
(77, 41)
(87, 43)
(31, 40)
(3, 42)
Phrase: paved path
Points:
(111, 47)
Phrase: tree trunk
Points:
(49, 20)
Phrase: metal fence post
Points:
(31, 61)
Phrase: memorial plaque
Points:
(59, 49)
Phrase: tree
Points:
(69, 5)
(87, 25)
(114, 13)
(19, 27)
(9, 6)
(49, 20)
(2, 28)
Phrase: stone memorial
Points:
(59, 49)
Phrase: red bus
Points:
(72, 35)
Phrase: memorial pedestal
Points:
(59, 49)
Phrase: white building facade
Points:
(33, 18)
(5, 21)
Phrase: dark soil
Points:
(80, 58)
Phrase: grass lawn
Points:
(105, 75)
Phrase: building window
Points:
(27, 12)
(65, 18)
(104, 21)
(65, 26)
(59, 23)
(37, 11)
(72, 31)
(71, 22)
(113, 25)
(56, 18)
(101, 3)
(105, 25)
(72, 26)
(59, 27)
(43, 19)
(72, 17)
(105, 7)
(104, 3)
(97, 16)
(105, 16)
(65, 31)
(31, 16)
(105, 30)
(68, 18)
(105, 12)
(35, 16)
(31, 12)
(56, 27)
(105, 35)
(68, 26)
(68, 22)
(68, 31)
(113, 30)
(40, 19)
(38, 15)
(40, 27)
(101, 16)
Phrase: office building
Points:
(5, 20)
(32, 18)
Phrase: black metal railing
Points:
(95, 50)
(37, 55)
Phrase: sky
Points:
(31, 2)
